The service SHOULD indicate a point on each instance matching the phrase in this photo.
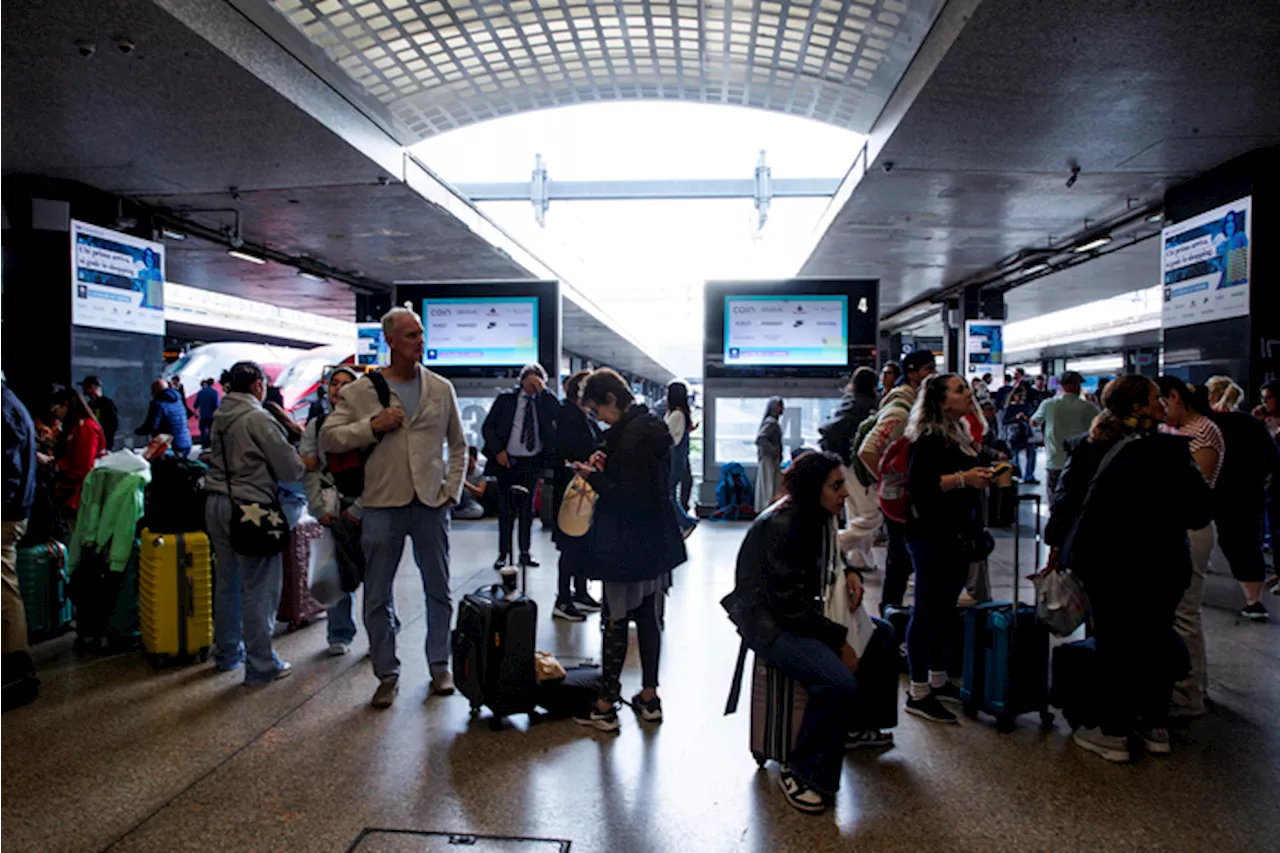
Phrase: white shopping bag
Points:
(323, 577)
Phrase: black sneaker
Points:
(1256, 612)
(527, 562)
(929, 708)
(650, 712)
(568, 611)
(947, 693)
(605, 721)
(869, 739)
(801, 796)
(499, 564)
(586, 603)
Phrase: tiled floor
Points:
(117, 756)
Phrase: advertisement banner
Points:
(1204, 266)
(490, 332)
(117, 281)
(984, 350)
(787, 330)
(371, 346)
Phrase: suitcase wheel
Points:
(1046, 719)
(759, 757)
(1005, 725)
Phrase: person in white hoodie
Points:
(250, 458)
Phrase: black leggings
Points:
(648, 632)
(1240, 538)
(573, 568)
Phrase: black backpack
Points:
(347, 467)
(175, 495)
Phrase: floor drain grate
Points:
(372, 840)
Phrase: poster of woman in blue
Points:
(1204, 266)
(117, 280)
(1233, 250)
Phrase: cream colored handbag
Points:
(577, 507)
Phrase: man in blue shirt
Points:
(519, 439)
(206, 404)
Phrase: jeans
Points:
(573, 567)
(340, 627)
(247, 596)
(686, 485)
(1188, 693)
(649, 636)
(680, 461)
(1027, 453)
(385, 529)
(941, 572)
(818, 754)
(523, 472)
(15, 614)
(205, 425)
(897, 565)
(1051, 482)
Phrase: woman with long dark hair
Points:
(79, 445)
(1186, 413)
(1119, 520)
(635, 540)
(680, 424)
(945, 480)
(776, 606)
(577, 438)
(769, 454)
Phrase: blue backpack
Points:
(734, 497)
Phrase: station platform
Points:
(117, 756)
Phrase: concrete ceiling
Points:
(182, 124)
(975, 170)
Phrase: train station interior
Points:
(1025, 190)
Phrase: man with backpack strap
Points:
(408, 491)
(889, 425)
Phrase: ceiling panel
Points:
(1134, 94)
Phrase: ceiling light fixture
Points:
(245, 256)
(1032, 270)
(310, 276)
(1156, 217)
(1093, 244)
(172, 235)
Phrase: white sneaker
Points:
(1111, 748)
(1157, 741)
(799, 795)
(337, 650)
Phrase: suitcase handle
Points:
(1017, 543)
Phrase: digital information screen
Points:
(495, 332)
(117, 281)
(788, 331)
(1204, 265)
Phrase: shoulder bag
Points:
(258, 529)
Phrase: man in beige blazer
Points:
(408, 491)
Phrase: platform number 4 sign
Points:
(863, 307)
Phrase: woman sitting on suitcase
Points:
(1119, 520)
(777, 608)
(945, 478)
(635, 540)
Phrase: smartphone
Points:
(1001, 467)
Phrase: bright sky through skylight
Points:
(644, 262)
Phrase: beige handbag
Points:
(577, 507)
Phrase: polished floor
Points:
(116, 756)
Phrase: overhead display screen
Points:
(1204, 264)
(117, 281)
(491, 332)
(789, 331)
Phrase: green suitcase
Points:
(42, 577)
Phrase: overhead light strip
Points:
(245, 256)
(1093, 244)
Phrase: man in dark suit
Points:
(519, 439)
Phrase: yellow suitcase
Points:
(175, 596)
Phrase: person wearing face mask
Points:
(945, 480)
(251, 457)
(519, 442)
(1125, 501)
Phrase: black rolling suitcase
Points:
(493, 645)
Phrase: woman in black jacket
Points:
(1125, 537)
(577, 438)
(945, 479)
(776, 605)
(635, 540)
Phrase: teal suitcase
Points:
(42, 577)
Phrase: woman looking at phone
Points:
(945, 480)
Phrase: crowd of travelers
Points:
(1184, 465)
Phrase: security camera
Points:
(125, 45)
(888, 166)
(86, 48)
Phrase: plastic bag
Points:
(323, 577)
(577, 508)
(1061, 603)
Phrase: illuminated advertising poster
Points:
(117, 281)
(1204, 266)
(499, 332)
(984, 349)
(371, 346)
(788, 331)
